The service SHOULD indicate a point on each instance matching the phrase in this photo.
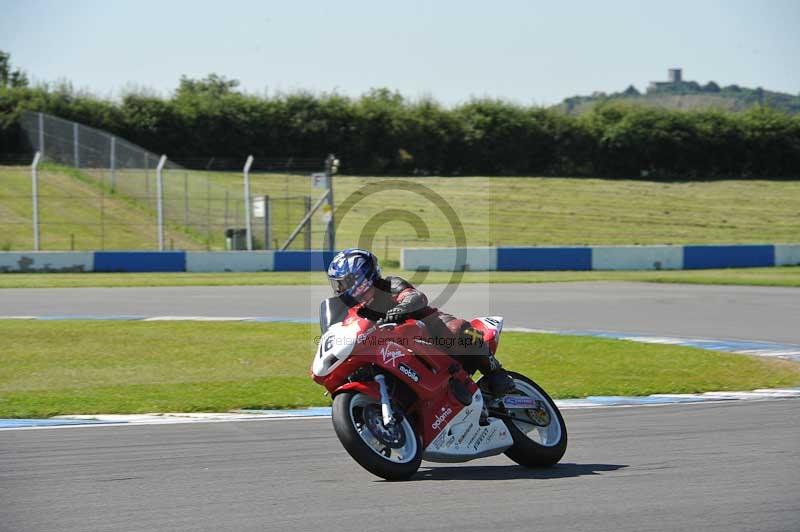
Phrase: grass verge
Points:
(781, 276)
(52, 368)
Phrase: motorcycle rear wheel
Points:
(540, 437)
(392, 454)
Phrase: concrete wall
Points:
(230, 261)
(637, 257)
(449, 259)
(444, 259)
(46, 261)
(787, 255)
(544, 259)
(139, 261)
(733, 256)
(615, 257)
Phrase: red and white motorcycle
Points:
(398, 399)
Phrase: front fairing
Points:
(335, 346)
(342, 329)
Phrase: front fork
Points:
(386, 407)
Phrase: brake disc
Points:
(392, 436)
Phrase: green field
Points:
(88, 367)
(782, 276)
(492, 211)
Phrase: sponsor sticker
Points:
(484, 435)
(519, 401)
(408, 372)
(481, 433)
(442, 417)
(391, 352)
(464, 435)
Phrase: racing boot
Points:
(496, 380)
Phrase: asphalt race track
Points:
(723, 312)
(725, 467)
(719, 467)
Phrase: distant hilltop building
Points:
(674, 77)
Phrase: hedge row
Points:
(383, 133)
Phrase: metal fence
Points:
(94, 190)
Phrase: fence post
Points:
(160, 200)
(308, 225)
(113, 165)
(35, 190)
(331, 167)
(267, 223)
(185, 199)
(147, 179)
(41, 133)
(75, 144)
(227, 210)
(248, 224)
(208, 215)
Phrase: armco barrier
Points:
(140, 261)
(230, 261)
(46, 261)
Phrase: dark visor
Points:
(342, 285)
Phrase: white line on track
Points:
(593, 402)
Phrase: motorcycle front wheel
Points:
(392, 453)
(540, 434)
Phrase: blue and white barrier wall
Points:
(601, 257)
(444, 259)
(165, 261)
(46, 261)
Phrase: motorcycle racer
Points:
(355, 277)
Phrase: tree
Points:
(212, 85)
(711, 87)
(11, 78)
(631, 91)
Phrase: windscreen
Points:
(331, 310)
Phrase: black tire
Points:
(527, 452)
(344, 425)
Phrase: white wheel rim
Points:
(548, 436)
(402, 455)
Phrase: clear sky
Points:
(531, 52)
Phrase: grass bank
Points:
(77, 211)
(499, 211)
(52, 368)
(781, 276)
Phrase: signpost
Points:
(319, 180)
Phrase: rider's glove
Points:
(395, 315)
